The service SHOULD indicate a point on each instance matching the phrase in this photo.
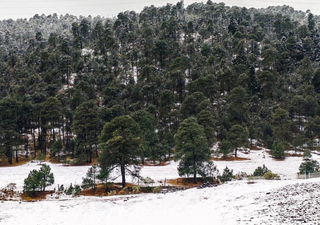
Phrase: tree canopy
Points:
(191, 147)
(121, 142)
(63, 78)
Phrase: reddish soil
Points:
(36, 196)
(115, 189)
(186, 182)
(4, 162)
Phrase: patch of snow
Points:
(285, 201)
(86, 51)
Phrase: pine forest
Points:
(166, 82)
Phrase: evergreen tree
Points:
(120, 142)
(8, 126)
(146, 122)
(278, 150)
(39, 179)
(86, 125)
(238, 137)
(191, 147)
(91, 176)
(225, 148)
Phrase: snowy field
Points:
(288, 201)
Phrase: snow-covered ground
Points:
(288, 201)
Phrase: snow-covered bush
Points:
(227, 175)
(260, 171)
(271, 176)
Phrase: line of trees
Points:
(232, 72)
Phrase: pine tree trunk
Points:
(194, 167)
(195, 176)
(26, 143)
(34, 143)
(123, 174)
(17, 157)
(9, 153)
(97, 154)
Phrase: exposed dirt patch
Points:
(188, 182)
(116, 189)
(282, 159)
(35, 196)
(4, 162)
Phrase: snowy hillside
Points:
(288, 201)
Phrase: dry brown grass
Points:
(282, 159)
(112, 189)
(186, 182)
(4, 162)
(36, 196)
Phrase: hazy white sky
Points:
(108, 8)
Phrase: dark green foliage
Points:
(208, 171)
(191, 147)
(87, 126)
(207, 120)
(46, 177)
(74, 191)
(8, 126)
(147, 125)
(90, 180)
(121, 142)
(39, 179)
(307, 155)
(260, 171)
(224, 65)
(31, 183)
(281, 123)
(225, 148)
(56, 149)
(238, 137)
(278, 150)
(227, 175)
(309, 167)
(271, 176)
(69, 190)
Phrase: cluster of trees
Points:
(38, 180)
(230, 73)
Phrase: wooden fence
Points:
(308, 175)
